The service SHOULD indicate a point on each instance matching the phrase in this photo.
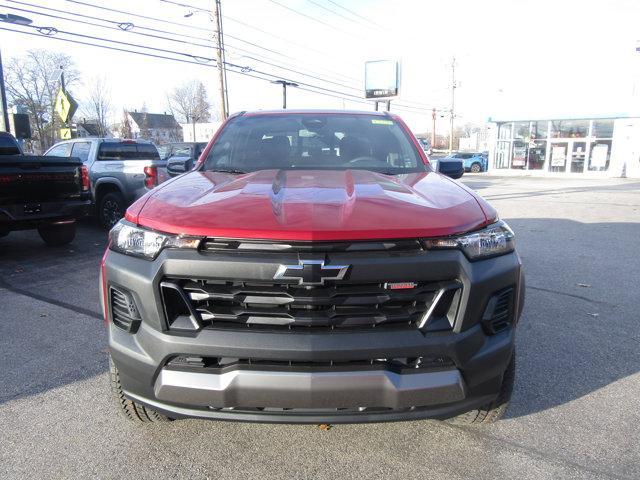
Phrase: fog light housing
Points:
(124, 310)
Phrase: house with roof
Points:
(91, 129)
(156, 127)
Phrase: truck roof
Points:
(312, 111)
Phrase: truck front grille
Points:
(285, 306)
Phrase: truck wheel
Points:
(111, 209)
(476, 168)
(57, 234)
(130, 409)
(496, 409)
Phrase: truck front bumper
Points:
(314, 376)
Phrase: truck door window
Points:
(62, 150)
(81, 150)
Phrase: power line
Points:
(87, 4)
(324, 7)
(129, 27)
(146, 54)
(253, 27)
(122, 26)
(50, 31)
(266, 62)
(155, 19)
(309, 17)
(241, 70)
(186, 5)
(357, 15)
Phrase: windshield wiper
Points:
(228, 170)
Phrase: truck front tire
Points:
(131, 410)
(495, 410)
(57, 234)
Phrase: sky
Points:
(513, 58)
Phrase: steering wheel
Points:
(367, 161)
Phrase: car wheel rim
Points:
(111, 213)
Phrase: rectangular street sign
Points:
(381, 78)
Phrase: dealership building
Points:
(600, 147)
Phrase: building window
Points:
(521, 130)
(504, 131)
(539, 129)
(602, 129)
(558, 160)
(599, 155)
(569, 128)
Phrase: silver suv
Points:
(120, 171)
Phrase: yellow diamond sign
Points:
(65, 106)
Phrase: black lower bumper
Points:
(25, 216)
(476, 358)
(438, 412)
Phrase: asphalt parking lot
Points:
(575, 411)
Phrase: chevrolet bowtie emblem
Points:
(311, 272)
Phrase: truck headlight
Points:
(496, 239)
(127, 238)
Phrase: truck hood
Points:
(309, 205)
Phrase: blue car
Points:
(474, 162)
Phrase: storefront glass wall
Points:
(557, 146)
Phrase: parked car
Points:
(181, 157)
(120, 171)
(426, 145)
(451, 167)
(474, 162)
(312, 268)
(45, 193)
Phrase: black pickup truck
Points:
(47, 193)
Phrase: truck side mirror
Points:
(175, 168)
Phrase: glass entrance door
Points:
(578, 156)
(568, 156)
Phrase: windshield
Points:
(314, 141)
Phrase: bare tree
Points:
(190, 103)
(98, 105)
(29, 84)
(125, 126)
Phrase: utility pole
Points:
(285, 84)
(433, 128)
(453, 101)
(222, 71)
(4, 118)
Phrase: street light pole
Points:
(285, 84)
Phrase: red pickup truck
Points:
(312, 268)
